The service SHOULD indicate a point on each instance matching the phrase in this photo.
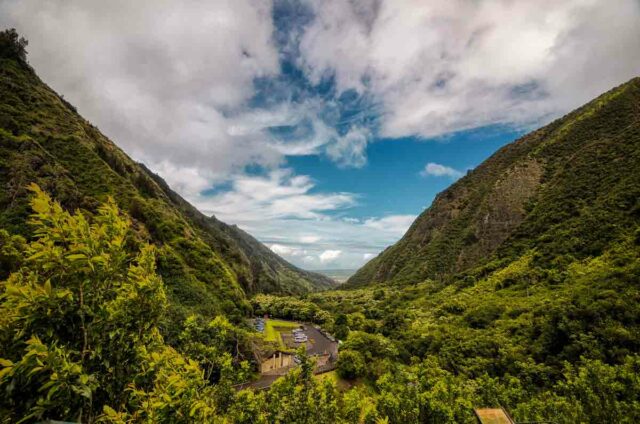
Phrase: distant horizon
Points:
(338, 275)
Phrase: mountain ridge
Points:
(208, 266)
(472, 219)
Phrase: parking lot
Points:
(317, 343)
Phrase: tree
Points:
(210, 344)
(351, 364)
(340, 327)
(79, 322)
(12, 46)
(394, 322)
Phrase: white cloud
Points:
(353, 238)
(309, 260)
(282, 210)
(351, 220)
(310, 239)
(279, 194)
(368, 256)
(281, 249)
(329, 256)
(438, 170)
(350, 149)
(393, 224)
(164, 79)
(186, 180)
(450, 65)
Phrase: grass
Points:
(274, 327)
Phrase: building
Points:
(492, 416)
(278, 362)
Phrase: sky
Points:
(324, 127)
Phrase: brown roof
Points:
(493, 416)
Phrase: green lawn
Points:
(273, 328)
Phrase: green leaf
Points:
(52, 391)
(76, 256)
(109, 411)
(47, 286)
(5, 371)
(5, 362)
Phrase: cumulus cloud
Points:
(329, 256)
(438, 170)
(394, 224)
(450, 65)
(279, 194)
(283, 210)
(162, 78)
(284, 250)
(356, 240)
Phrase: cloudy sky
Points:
(323, 127)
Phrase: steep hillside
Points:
(565, 190)
(207, 265)
(262, 271)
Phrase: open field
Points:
(273, 328)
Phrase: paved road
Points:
(318, 343)
(321, 344)
(262, 383)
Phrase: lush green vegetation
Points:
(565, 352)
(538, 311)
(120, 303)
(80, 333)
(289, 308)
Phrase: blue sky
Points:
(392, 181)
(324, 127)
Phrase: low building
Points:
(493, 416)
(279, 361)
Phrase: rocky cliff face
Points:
(508, 199)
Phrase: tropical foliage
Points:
(119, 302)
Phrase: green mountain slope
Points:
(262, 271)
(565, 191)
(207, 265)
(518, 287)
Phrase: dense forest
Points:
(120, 303)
